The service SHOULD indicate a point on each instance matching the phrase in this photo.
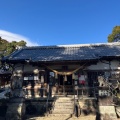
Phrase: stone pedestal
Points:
(16, 106)
(108, 112)
(16, 109)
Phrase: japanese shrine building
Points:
(64, 66)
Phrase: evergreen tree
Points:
(7, 48)
(115, 35)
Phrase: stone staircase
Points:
(63, 110)
(64, 106)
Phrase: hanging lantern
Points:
(56, 76)
(65, 78)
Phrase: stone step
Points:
(60, 115)
(62, 112)
(62, 95)
(68, 99)
(51, 117)
(65, 100)
(57, 109)
(64, 103)
(63, 107)
(87, 117)
(64, 117)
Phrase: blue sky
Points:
(56, 22)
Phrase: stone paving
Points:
(89, 117)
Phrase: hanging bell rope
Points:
(65, 73)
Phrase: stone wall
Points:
(38, 107)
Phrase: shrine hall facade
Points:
(64, 68)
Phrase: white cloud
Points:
(16, 37)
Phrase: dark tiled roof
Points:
(68, 52)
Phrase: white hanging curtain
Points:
(73, 76)
(65, 78)
(56, 76)
(42, 79)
